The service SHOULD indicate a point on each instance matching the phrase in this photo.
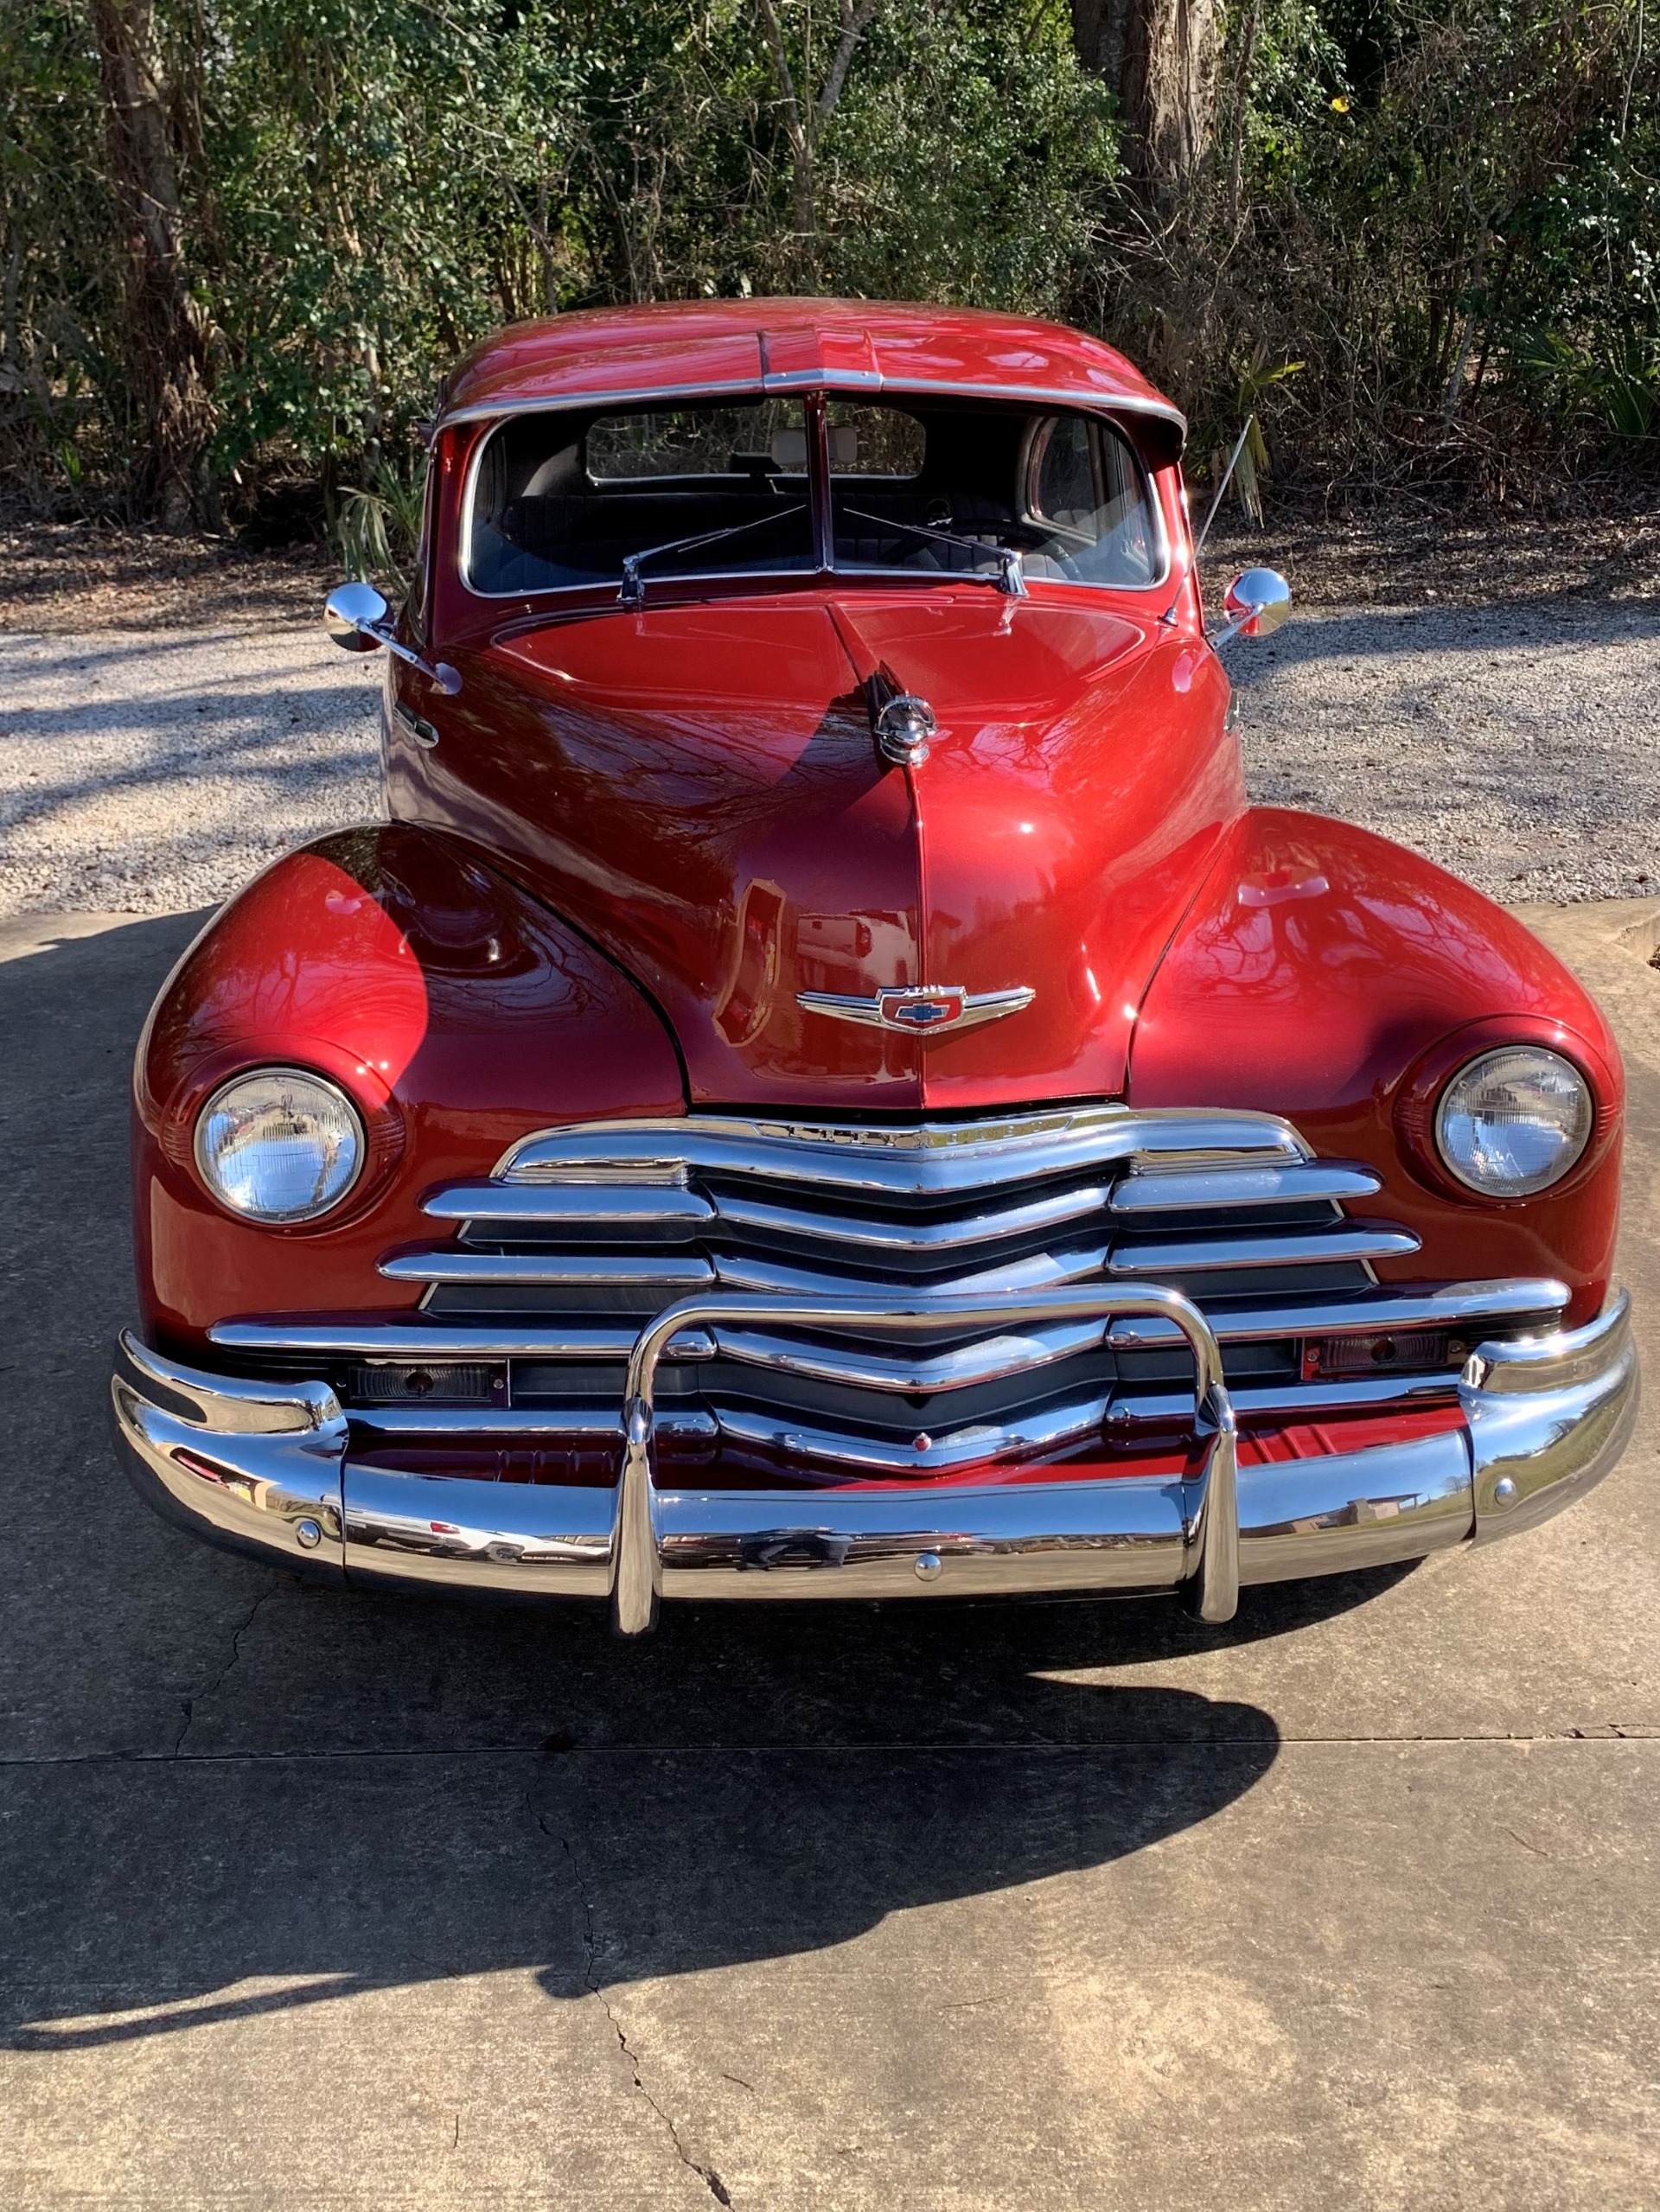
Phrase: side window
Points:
(1063, 477)
(1087, 492)
(423, 550)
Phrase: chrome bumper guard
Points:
(267, 1467)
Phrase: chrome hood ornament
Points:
(921, 1009)
(903, 726)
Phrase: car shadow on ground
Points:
(235, 1793)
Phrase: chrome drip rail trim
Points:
(900, 1235)
(1266, 1248)
(1163, 1190)
(1213, 1584)
(455, 1264)
(571, 1205)
(1393, 1305)
(919, 1159)
(403, 1341)
(991, 1359)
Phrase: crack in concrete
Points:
(1606, 1733)
(187, 1706)
(711, 2180)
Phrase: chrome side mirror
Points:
(1255, 603)
(353, 617)
(359, 621)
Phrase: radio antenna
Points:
(1226, 479)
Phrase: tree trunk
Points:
(1160, 57)
(166, 342)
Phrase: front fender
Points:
(457, 1012)
(1318, 972)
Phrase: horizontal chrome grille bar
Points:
(1394, 1306)
(901, 1235)
(748, 1272)
(453, 1264)
(404, 1341)
(571, 1206)
(1265, 1248)
(498, 1423)
(926, 1159)
(1174, 1408)
(982, 1444)
(1163, 1190)
(989, 1359)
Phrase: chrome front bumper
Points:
(269, 1469)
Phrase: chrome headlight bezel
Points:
(1578, 1124)
(293, 1216)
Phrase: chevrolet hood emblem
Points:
(920, 1011)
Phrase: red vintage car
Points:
(822, 1085)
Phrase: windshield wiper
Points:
(1011, 580)
(633, 593)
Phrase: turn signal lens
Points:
(279, 1146)
(1514, 1121)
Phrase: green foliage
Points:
(1443, 213)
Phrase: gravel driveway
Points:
(1520, 746)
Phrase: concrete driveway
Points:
(323, 1900)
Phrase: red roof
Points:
(781, 345)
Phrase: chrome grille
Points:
(584, 1233)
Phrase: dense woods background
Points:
(242, 238)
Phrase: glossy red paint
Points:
(1319, 971)
(653, 774)
(457, 1014)
(686, 806)
(713, 347)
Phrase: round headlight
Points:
(279, 1145)
(1514, 1121)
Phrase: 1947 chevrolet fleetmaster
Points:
(821, 1086)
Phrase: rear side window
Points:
(563, 498)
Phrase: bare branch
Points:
(794, 129)
(855, 22)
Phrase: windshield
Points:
(1063, 491)
(948, 487)
(565, 499)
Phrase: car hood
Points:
(697, 787)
